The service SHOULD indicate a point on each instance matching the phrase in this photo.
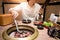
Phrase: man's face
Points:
(33, 1)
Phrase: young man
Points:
(30, 10)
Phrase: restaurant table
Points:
(41, 36)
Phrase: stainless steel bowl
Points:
(32, 37)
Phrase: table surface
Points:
(42, 33)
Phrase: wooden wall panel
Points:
(54, 0)
(41, 1)
(8, 6)
(1, 11)
(14, 0)
(52, 9)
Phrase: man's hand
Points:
(13, 12)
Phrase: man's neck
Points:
(30, 4)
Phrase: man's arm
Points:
(13, 12)
(41, 11)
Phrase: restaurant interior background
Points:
(52, 7)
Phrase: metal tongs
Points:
(17, 26)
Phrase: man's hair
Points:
(28, 0)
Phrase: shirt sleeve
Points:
(38, 7)
(18, 7)
(15, 10)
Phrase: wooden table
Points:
(42, 33)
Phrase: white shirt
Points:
(27, 11)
